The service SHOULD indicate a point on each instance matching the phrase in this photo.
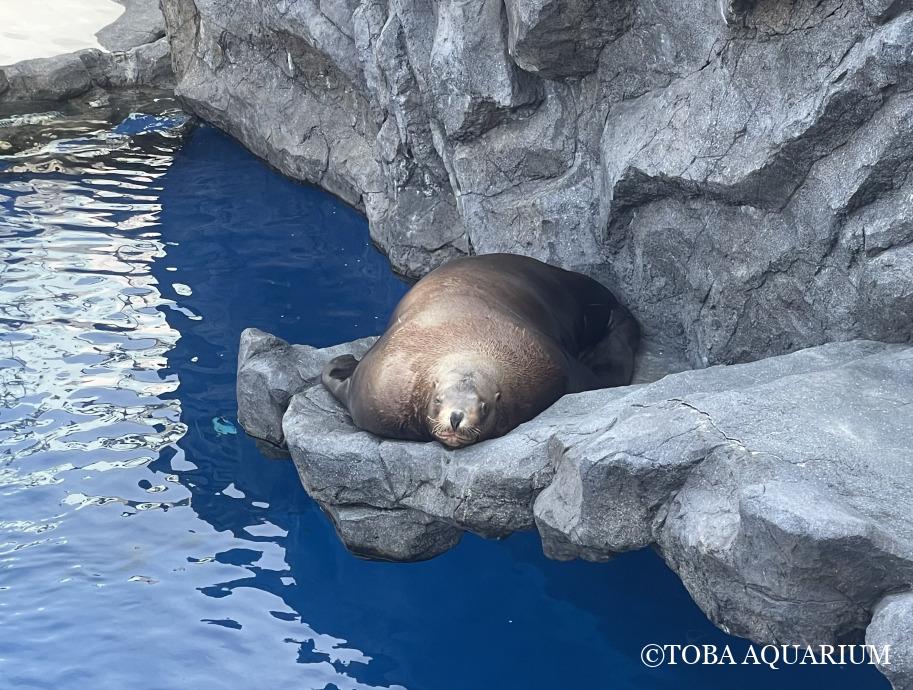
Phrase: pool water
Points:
(144, 540)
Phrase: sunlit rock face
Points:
(738, 172)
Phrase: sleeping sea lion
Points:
(483, 344)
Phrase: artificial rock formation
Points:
(738, 172)
(780, 491)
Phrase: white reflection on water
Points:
(81, 339)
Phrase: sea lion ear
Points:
(497, 395)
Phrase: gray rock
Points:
(563, 38)
(892, 627)
(717, 164)
(736, 10)
(476, 86)
(307, 73)
(46, 79)
(883, 10)
(780, 491)
(144, 65)
(270, 372)
(142, 22)
(392, 534)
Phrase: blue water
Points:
(146, 543)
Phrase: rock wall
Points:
(739, 172)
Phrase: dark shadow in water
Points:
(259, 250)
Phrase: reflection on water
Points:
(82, 339)
(89, 400)
(144, 543)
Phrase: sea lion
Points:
(481, 345)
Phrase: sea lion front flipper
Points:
(336, 376)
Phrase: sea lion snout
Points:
(455, 419)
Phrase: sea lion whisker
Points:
(474, 432)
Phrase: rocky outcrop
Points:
(780, 491)
(142, 22)
(139, 58)
(892, 627)
(738, 172)
(272, 372)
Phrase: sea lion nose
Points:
(455, 419)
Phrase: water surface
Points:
(145, 542)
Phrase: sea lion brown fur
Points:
(483, 344)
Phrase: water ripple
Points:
(91, 415)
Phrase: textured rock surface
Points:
(398, 534)
(892, 625)
(781, 491)
(738, 172)
(140, 57)
(270, 372)
(142, 22)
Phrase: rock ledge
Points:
(780, 491)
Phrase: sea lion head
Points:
(464, 404)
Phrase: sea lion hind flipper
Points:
(612, 357)
(341, 367)
(336, 376)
